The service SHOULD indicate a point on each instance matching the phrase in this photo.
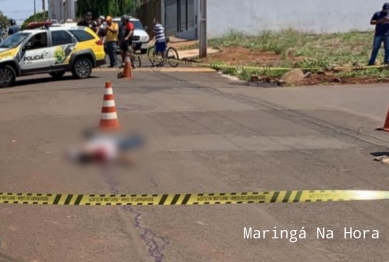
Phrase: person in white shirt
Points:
(106, 149)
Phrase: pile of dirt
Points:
(310, 79)
(242, 56)
(317, 79)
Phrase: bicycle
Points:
(134, 58)
(170, 55)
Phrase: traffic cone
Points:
(109, 119)
(127, 71)
(386, 125)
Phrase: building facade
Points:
(316, 16)
(180, 17)
(62, 9)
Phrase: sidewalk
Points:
(191, 53)
(194, 53)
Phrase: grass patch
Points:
(302, 50)
(377, 73)
(326, 49)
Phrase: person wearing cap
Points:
(88, 22)
(14, 28)
(381, 21)
(111, 39)
(100, 26)
(125, 41)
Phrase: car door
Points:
(62, 45)
(36, 54)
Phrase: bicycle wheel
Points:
(172, 54)
(151, 55)
(137, 61)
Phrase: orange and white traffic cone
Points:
(109, 119)
(386, 125)
(127, 71)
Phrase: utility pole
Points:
(203, 41)
(44, 8)
(34, 7)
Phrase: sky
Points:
(20, 9)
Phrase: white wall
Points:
(317, 16)
(62, 9)
(54, 9)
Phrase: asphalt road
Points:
(205, 133)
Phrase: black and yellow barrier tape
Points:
(219, 66)
(302, 196)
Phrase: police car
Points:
(52, 50)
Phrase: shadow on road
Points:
(33, 81)
(9, 259)
(378, 154)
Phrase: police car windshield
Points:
(14, 40)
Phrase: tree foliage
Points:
(4, 22)
(106, 7)
(38, 17)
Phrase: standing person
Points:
(88, 22)
(160, 40)
(14, 28)
(100, 26)
(381, 21)
(111, 39)
(126, 39)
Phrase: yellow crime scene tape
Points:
(222, 66)
(219, 66)
(302, 196)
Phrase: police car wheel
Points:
(57, 75)
(7, 76)
(82, 68)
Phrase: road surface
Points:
(205, 133)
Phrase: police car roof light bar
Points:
(35, 25)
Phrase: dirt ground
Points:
(317, 79)
(238, 55)
(243, 56)
(325, 80)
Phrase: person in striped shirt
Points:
(160, 39)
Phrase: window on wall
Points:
(183, 15)
(75, 8)
(171, 17)
(191, 14)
